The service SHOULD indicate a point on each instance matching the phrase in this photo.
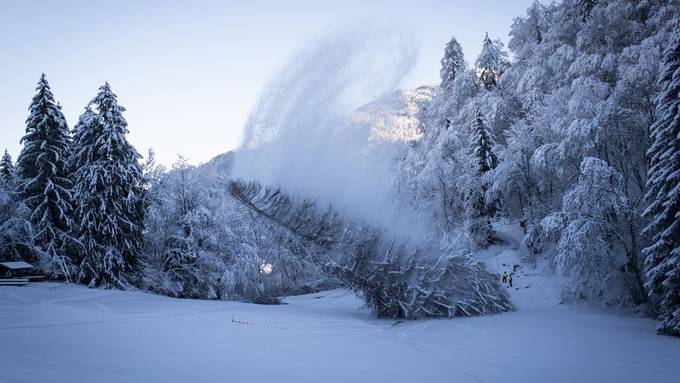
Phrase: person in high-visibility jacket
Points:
(505, 277)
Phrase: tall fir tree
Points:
(453, 63)
(662, 257)
(491, 62)
(77, 158)
(42, 183)
(482, 145)
(77, 155)
(109, 195)
(479, 229)
(7, 168)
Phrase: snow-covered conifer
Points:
(77, 158)
(663, 254)
(109, 195)
(84, 124)
(397, 279)
(453, 63)
(491, 62)
(6, 168)
(481, 145)
(42, 181)
(478, 209)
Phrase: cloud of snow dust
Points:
(298, 136)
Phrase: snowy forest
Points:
(571, 133)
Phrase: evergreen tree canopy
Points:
(491, 62)
(79, 154)
(482, 145)
(110, 211)
(42, 180)
(663, 255)
(453, 63)
(6, 168)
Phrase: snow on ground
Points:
(534, 285)
(52, 332)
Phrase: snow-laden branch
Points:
(396, 278)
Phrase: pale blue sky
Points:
(189, 72)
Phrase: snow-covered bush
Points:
(200, 243)
(16, 233)
(480, 232)
(588, 236)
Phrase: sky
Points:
(189, 72)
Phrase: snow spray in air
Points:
(299, 137)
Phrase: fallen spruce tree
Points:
(397, 279)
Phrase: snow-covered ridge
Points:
(220, 165)
(394, 117)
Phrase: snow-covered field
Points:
(52, 332)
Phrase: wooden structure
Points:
(17, 273)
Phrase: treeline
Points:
(575, 138)
(77, 197)
(80, 205)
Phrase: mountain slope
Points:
(394, 117)
(391, 119)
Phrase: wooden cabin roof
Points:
(16, 265)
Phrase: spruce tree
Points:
(42, 183)
(78, 156)
(491, 62)
(482, 145)
(84, 123)
(453, 63)
(6, 168)
(662, 257)
(479, 229)
(109, 195)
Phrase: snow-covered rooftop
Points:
(16, 265)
